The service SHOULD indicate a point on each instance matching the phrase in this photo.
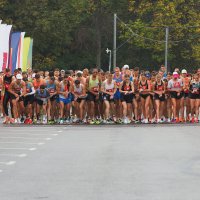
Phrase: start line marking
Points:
(30, 149)
(8, 163)
(32, 134)
(40, 143)
(15, 155)
(26, 138)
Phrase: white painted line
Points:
(8, 163)
(14, 155)
(22, 155)
(41, 143)
(30, 149)
(22, 138)
(54, 134)
(11, 163)
(27, 134)
(1, 170)
(60, 131)
(48, 139)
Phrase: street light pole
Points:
(110, 58)
(166, 47)
(115, 41)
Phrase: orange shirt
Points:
(37, 84)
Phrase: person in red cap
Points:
(175, 86)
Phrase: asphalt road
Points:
(100, 162)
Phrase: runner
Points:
(93, 85)
(17, 90)
(1, 94)
(118, 78)
(159, 97)
(42, 95)
(28, 101)
(175, 86)
(108, 90)
(79, 92)
(194, 96)
(51, 86)
(127, 89)
(64, 90)
(144, 91)
(7, 79)
(186, 85)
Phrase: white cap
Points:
(125, 67)
(79, 72)
(184, 71)
(19, 77)
(175, 73)
(33, 75)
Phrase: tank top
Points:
(78, 90)
(136, 83)
(7, 81)
(94, 84)
(109, 87)
(186, 82)
(51, 87)
(17, 87)
(42, 95)
(28, 88)
(126, 87)
(64, 88)
(37, 84)
(118, 80)
(143, 86)
(159, 87)
(195, 87)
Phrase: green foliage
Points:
(75, 34)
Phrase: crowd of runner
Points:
(98, 97)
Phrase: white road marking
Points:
(27, 134)
(23, 138)
(14, 155)
(1, 170)
(60, 131)
(22, 155)
(8, 163)
(40, 143)
(48, 139)
(11, 163)
(30, 149)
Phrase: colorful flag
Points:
(29, 61)
(15, 39)
(26, 46)
(4, 45)
(20, 51)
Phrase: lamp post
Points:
(110, 57)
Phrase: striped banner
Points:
(15, 39)
(4, 45)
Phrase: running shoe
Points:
(61, 121)
(30, 121)
(136, 121)
(92, 122)
(173, 120)
(26, 121)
